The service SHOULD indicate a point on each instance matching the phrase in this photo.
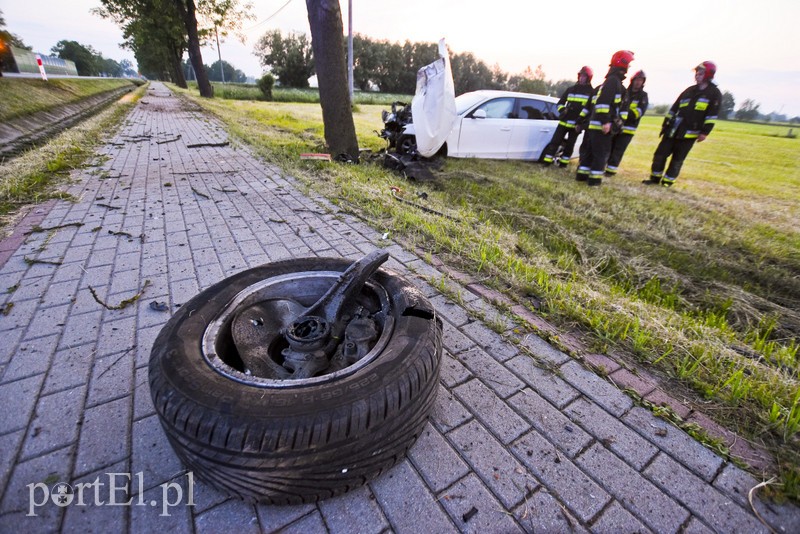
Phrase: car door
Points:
(533, 129)
(485, 132)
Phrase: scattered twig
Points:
(277, 220)
(122, 304)
(33, 261)
(198, 145)
(109, 206)
(115, 361)
(198, 193)
(49, 228)
(223, 190)
(168, 140)
(752, 506)
(126, 234)
(6, 309)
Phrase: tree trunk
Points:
(325, 19)
(186, 8)
(176, 68)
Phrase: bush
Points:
(265, 83)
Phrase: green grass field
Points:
(698, 283)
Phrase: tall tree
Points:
(86, 59)
(188, 13)
(748, 111)
(290, 59)
(727, 105)
(325, 19)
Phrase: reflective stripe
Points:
(548, 159)
(583, 169)
(701, 105)
(668, 180)
(657, 175)
(595, 174)
(563, 160)
(684, 103)
(624, 115)
(612, 170)
(691, 134)
(602, 108)
(629, 129)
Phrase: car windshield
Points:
(466, 101)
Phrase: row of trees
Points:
(89, 62)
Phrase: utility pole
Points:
(219, 52)
(350, 48)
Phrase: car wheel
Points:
(407, 144)
(259, 403)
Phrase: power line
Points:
(270, 17)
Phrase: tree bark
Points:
(186, 8)
(176, 68)
(327, 42)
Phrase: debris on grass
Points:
(125, 303)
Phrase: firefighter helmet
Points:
(709, 69)
(621, 59)
(588, 72)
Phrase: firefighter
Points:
(634, 107)
(605, 104)
(570, 105)
(691, 118)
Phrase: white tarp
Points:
(433, 109)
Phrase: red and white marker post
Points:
(41, 67)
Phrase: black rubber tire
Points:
(291, 445)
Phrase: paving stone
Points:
(104, 436)
(709, 505)
(451, 311)
(637, 494)
(31, 358)
(69, 368)
(9, 444)
(616, 519)
(491, 372)
(91, 509)
(501, 420)
(354, 512)
(548, 420)
(55, 422)
(613, 434)
(230, 516)
(404, 500)
(675, 442)
(18, 399)
(543, 381)
(561, 476)
(112, 378)
(474, 509)
(448, 412)
(46, 322)
(506, 477)
(310, 523)
(541, 512)
(596, 388)
(543, 351)
(438, 464)
(25, 479)
(116, 336)
(154, 516)
(453, 340)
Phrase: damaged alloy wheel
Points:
(298, 380)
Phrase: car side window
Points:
(534, 109)
(499, 108)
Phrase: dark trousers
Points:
(619, 144)
(677, 149)
(596, 154)
(555, 141)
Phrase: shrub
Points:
(265, 83)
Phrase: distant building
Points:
(25, 61)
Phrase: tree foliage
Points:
(727, 105)
(231, 74)
(289, 58)
(748, 111)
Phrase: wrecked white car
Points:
(496, 125)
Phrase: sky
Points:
(756, 45)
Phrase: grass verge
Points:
(697, 283)
(31, 177)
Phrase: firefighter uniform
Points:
(596, 147)
(570, 105)
(634, 107)
(693, 114)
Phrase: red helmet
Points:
(640, 74)
(588, 72)
(709, 69)
(621, 59)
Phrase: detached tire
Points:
(285, 441)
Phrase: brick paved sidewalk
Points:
(511, 446)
